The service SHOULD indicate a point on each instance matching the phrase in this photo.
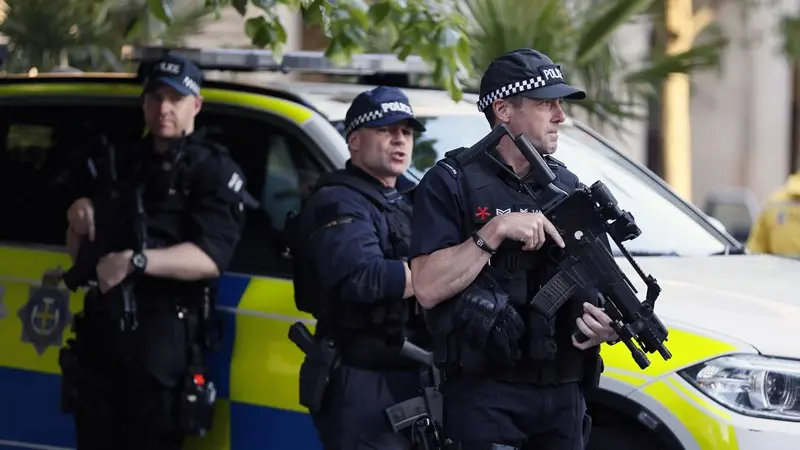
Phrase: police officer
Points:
(351, 264)
(777, 228)
(177, 217)
(480, 251)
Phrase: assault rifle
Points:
(581, 218)
(111, 220)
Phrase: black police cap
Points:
(525, 72)
(175, 71)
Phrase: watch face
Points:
(138, 260)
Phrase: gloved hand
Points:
(489, 323)
(508, 330)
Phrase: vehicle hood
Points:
(753, 299)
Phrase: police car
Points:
(731, 384)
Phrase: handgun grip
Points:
(302, 337)
(411, 351)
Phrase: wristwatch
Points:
(139, 263)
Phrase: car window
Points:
(42, 150)
(39, 158)
(666, 227)
(280, 169)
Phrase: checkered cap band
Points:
(362, 119)
(511, 89)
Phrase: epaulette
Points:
(554, 162)
(450, 161)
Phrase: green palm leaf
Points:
(578, 35)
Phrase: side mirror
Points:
(736, 209)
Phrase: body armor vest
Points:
(373, 327)
(488, 192)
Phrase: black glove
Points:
(508, 330)
(489, 324)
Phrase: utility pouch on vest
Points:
(196, 406)
(321, 360)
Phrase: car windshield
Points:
(667, 227)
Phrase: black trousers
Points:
(352, 416)
(129, 384)
(485, 414)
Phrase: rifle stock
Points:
(581, 218)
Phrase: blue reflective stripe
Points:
(27, 395)
(231, 289)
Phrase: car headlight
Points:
(753, 385)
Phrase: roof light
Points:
(298, 61)
(209, 59)
(361, 64)
(65, 69)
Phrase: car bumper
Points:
(699, 423)
(767, 440)
(764, 434)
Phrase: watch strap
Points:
(139, 263)
(482, 244)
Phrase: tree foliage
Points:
(88, 34)
(459, 38)
(432, 29)
(578, 35)
(40, 31)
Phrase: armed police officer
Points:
(350, 257)
(480, 252)
(156, 227)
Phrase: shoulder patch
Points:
(235, 182)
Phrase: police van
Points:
(732, 383)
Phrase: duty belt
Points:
(369, 354)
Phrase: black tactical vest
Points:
(375, 326)
(487, 192)
(165, 184)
